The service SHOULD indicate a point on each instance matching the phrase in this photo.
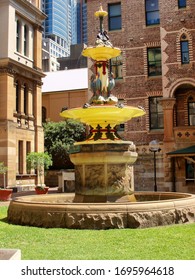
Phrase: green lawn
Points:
(161, 243)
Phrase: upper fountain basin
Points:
(101, 53)
(103, 115)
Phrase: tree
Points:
(59, 138)
(40, 161)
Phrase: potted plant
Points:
(39, 161)
(5, 194)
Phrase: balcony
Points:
(183, 134)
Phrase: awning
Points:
(189, 151)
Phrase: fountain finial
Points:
(101, 12)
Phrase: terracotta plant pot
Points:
(5, 194)
(40, 190)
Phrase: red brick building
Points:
(156, 71)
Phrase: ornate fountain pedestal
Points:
(104, 164)
(104, 172)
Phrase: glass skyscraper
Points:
(79, 21)
(65, 25)
(57, 27)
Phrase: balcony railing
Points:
(184, 134)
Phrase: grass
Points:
(161, 243)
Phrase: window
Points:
(156, 113)
(17, 97)
(154, 62)
(25, 99)
(181, 3)
(20, 157)
(184, 45)
(44, 114)
(114, 16)
(24, 37)
(152, 12)
(191, 113)
(28, 150)
(18, 35)
(116, 66)
(190, 170)
(25, 40)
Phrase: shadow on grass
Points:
(4, 220)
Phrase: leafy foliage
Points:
(59, 139)
(39, 161)
(3, 168)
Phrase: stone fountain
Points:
(103, 167)
(104, 193)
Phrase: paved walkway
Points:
(22, 193)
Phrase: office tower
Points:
(56, 27)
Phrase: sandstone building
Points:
(20, 87)
(156, 70)
(70, 91)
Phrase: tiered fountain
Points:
(104, 193)
(102, 167)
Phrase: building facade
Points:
(20, 88)
(156, 70)
(70, 91)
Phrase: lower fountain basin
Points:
(139, 210)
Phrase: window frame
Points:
(188, 163)
(184, 52)
(26, 39)
(18, 36)
(153, 63)
(191, 115)
(118, 16)
(182, 4)
(44, 114)
(25, 100)
(156, 115)
(149, 12)
(116, 65)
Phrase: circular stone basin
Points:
(139, 210)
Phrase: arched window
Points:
(184, 46)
